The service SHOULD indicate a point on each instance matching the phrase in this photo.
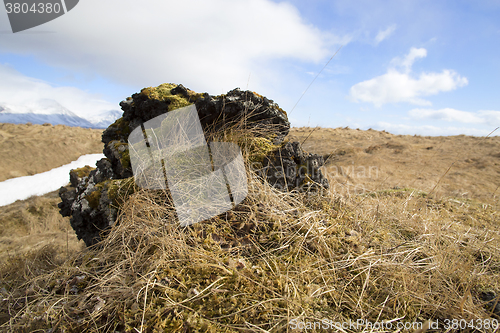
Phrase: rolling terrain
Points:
(463, 167)
(408, 231)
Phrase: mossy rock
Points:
(119, 130)
(123, 151)
(94, 198)
(117, 191)
(76, 175)
(167, 92)
(255, 112)
(256, 124)
(151, 102)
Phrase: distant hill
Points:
(357, 161)
(30, 149)
(52, 112)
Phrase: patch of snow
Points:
(24, 187)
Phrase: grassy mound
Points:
(275, 262)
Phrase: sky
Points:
(408, 67)
(21, 188)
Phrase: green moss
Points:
(125, 159)
(93, 198)
(124, 153)
(122, 127)
(120, 189)
(82, 172)
(163, 93)
(257, 148)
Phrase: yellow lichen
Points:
(163, 93)
(82, 172)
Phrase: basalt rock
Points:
(290, 168)
(94, 197)
(492, 302)
(261, 116)
(88, 201)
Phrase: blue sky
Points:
(408, 67)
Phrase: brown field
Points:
(29, 225)
(461, 167)
(409, 231)
(30, 149)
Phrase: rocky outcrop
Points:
(92, 200)
(94, 197)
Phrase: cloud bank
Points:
(488, 117)
(26, 94)
(207, 45)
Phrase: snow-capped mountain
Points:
(105, 119)
(50, 111)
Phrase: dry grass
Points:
(382, 254)
(31, 224)
(31, 149)
(361, 161)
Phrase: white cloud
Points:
(384, 34)
(491, 117)
(26, 93)
(452, 115)
(208, 45)
(430, 130)
(407, 62)
(401, 86)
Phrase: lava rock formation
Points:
(94, 197)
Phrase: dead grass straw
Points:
(275, 262)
